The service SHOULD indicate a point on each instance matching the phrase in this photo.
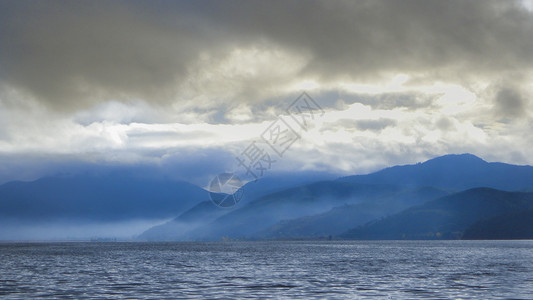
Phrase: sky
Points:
(187, 86)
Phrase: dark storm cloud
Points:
(361, 38)
(71, 54)
(509, 103)
(67, 52)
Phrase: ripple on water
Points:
(395, 269)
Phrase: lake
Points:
(291, 269)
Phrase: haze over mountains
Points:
(447, 217)
(449, 197)
(332, 208)
(109, 203)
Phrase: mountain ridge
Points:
(447, 217)
(450, 173)
(453, 171)
(277, 201)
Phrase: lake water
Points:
(334, 269)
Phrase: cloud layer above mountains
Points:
(154, 81)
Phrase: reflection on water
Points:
(395, 269)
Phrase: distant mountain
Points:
(515, 225)
(180, 228)
(456, 172)
(331, 207)
(446, 218)
(283, 205)
(100, 198)
(275, 182)
(310, 199)
(338, 219)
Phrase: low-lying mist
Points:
(15, 230)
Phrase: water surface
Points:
(333, 269)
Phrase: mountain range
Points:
(448, 197)
(446, 217)
(380, 205)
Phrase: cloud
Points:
(71, 55)
(366, 38)
(362, 124)
(509, 103)
(374, 125)
(411, 100)
(138, 81)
